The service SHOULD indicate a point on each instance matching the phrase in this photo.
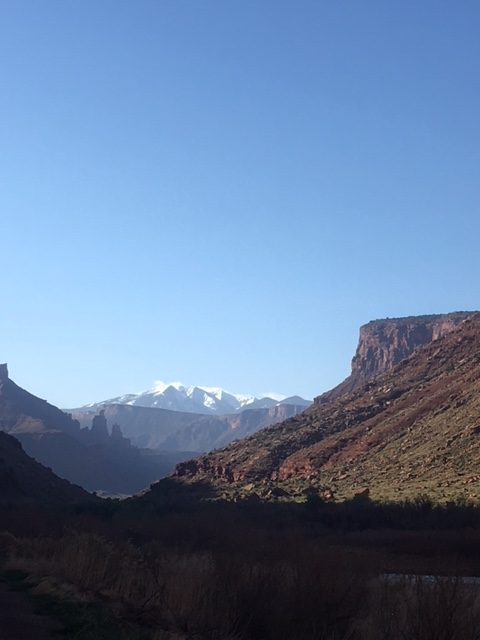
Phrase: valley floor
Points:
(19, 619)
(136, 570)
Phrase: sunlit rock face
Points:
(384, 343)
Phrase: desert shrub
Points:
(422, 608)
(266, 572)
(284, 594)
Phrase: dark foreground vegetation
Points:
(221, 571)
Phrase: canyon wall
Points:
(384, 343)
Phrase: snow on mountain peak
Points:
(215, 391)
(176, 396)
(159, 387)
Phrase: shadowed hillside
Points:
(23, 480)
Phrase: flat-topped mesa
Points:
(384, 343)
(3, 372)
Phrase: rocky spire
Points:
(117, 432)
(99, 427)
(117, 437)
(3, 372)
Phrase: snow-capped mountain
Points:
(193, 399)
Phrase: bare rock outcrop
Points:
(3, 372)
(384, 343)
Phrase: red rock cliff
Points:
(385, 343)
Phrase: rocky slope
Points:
(92, 458)
(23, 480)
(384, 343)
(177, 431)
(412, 430)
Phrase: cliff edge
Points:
(384, 343)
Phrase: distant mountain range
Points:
(93, 457)
(175, 396)
(180, 431)
(91, 451)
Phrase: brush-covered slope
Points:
(413, 430)
(23, 479)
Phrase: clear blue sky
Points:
(220, 192)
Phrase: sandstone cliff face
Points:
(384, 343)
